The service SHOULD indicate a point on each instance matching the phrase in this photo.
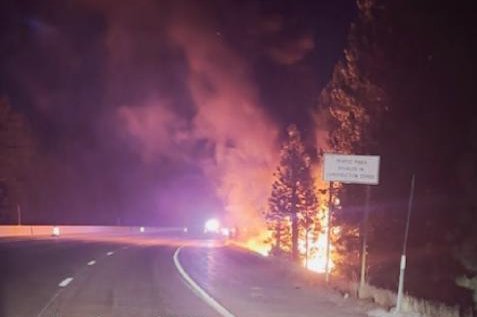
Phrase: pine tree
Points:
(292, 205)
(400, 80)
(309, 218)
(277, 218)
(355, 96)
(356, 102)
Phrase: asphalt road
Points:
(60, 277)
(248, 284)
(140, 276)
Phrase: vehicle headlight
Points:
(212, 225)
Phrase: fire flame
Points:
(257, 243)
(316, 247)
(316, 259)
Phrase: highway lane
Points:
(139, 276)
(100, 278)
(31, 270)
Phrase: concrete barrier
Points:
(18, 231)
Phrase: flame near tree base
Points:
(316, 260)
(296, 216)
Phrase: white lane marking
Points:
(110, 253)
(65, 282)
(198, 290)
(93, 262)
(49, 303)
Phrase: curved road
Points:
(139, 276)
(58, 277)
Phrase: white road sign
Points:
(351, 169)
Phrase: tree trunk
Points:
(294, 226)
(306, 246)
(295, 255)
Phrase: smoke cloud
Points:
(155, 130)
(229, 116)
(225, 132)
(158, 110)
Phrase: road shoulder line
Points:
(200, 292)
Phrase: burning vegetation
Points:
(182, 111)
(297, 216)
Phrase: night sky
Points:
(150, 111)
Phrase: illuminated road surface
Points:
(137, 276)
(61, 277)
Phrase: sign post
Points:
(402, 267)
(364, 241)
(351, 169)
(328, 233)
